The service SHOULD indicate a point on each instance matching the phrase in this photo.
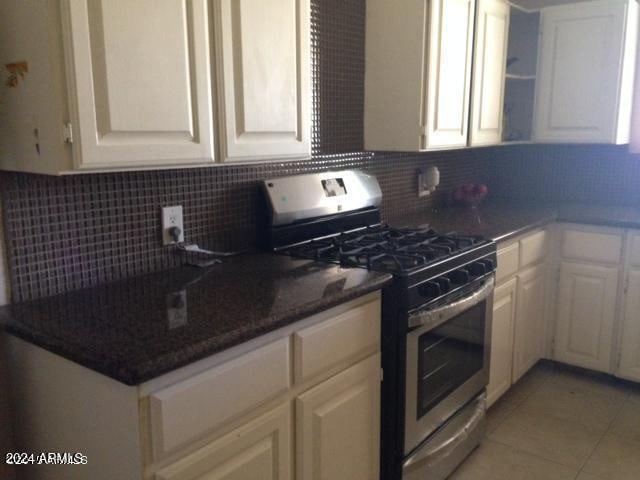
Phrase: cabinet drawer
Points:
(349, 335)
(259, 449)
(533, 248)
(634, 250)
(508, 258)
(603, 247)
(189, 409)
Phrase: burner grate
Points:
(380, 247)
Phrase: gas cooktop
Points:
(384, 248)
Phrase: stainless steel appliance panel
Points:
(314, 195)
(447, 361)
(440, 454)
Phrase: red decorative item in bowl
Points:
(470, 194)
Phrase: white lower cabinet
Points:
(585, 317)
(259, 450)
(332, 401)
(519, 310)
(528, 343)
(338, 427)
(593, 301)
(629, 366)
(504, 311)
(251, 412)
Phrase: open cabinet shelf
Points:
(520, 84)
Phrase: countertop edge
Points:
(144, 372)
(526, 228)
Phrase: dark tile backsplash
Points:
(73, 232)
(583, 173)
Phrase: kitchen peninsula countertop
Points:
(123, 329)
(502, 221)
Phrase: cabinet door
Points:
(259, 450)
(140, 83)
(504, 311)
(263, 52)
(585, 315)
(528, 344)
(630, 342)
(338, 426)
(449, 73)
(489, 64)
(583, 72)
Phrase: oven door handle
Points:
(435, 454)
(434, 317)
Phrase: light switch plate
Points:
(172, 217)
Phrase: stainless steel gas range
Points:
(436, 323)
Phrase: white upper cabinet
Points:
(263, 51)
(586, 72)
(121, 85)
(139, 77)
(489, 63)
(418, 74)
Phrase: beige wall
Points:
(6, 435)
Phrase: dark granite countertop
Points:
(123, 329)
(502, 221)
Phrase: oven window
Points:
(449, 356)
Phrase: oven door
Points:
(448, 353)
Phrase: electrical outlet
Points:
(177, 309)
(172, 217)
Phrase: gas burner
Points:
(380, 247)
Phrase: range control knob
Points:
(489, 264)
(445, 284)
(430, 289)
(460, 277)
(477, 269)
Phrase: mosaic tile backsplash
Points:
(73, 232)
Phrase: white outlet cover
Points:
(172, 217)
(177, 309)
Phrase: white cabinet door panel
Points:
(504, 310)
(586, 314)
(528, 344)
(490, 60)
(264, 78)
(449, 72)
(630, 340)
(338, 426)
(634, 250)
(259, 450)
(182, 412)
(140, 81)
(581, 71)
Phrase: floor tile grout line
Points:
(545, 377)
(539, 457)
(591, 454)
(613, 419)
(519, 403)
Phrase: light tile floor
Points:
(559, 424)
